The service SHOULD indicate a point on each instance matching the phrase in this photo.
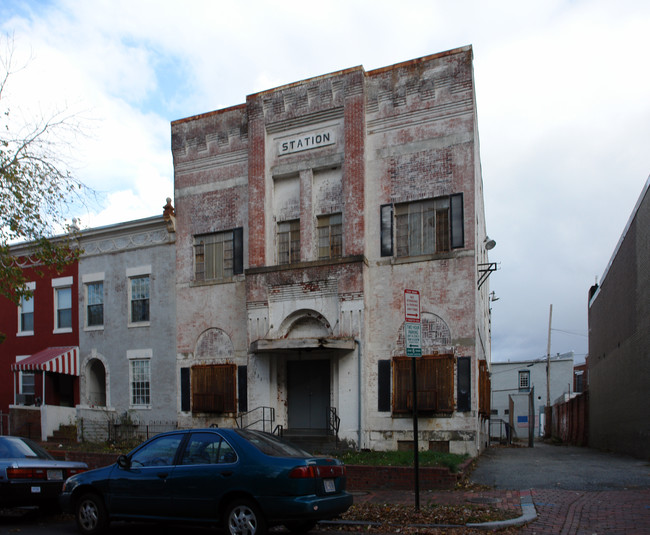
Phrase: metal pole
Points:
(416, 447)
(548, 412)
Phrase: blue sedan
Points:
(242, 479)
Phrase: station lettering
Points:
(306, 142)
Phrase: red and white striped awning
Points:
(53, 359)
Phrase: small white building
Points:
(513, 383)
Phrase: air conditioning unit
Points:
(24, 399)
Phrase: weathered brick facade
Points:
(371, 150)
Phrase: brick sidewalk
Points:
(567, 512)
(559, 512)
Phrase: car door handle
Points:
(162, 475)
(227, 473)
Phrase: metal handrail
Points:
(333, 422)
(268, 416)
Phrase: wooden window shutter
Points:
(386, 216)
(185, 390)
(383, 386)
(457, 218)
(242, 386)
(464, 384)
(238, 251)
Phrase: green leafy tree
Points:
(36, 187)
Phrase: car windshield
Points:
(271, 445)
(21, 448)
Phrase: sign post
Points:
(413, 343)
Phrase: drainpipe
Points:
(358, 342)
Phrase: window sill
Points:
(429, 413)
(94, 328)
(139, 324)
(25, 333)
(64, 330)
(213, 282)
(447, 255)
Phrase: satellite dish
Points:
(489, 243)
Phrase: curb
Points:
(529, 513)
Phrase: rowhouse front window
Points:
(140, 382)
(26, 315)
(139, 299)
(95, 304)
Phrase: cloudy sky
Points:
(563, 91)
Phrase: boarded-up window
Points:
(435, 384)
(214, 388)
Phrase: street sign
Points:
(413, 339)
(412, 306)
(412, 329)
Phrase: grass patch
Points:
(404, 458)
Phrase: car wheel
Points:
(243, 517)
(300, 526)
(91, 515)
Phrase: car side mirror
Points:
(124, 462)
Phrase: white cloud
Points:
(561, 87)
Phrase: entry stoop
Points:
(315, 441)
(65, 434)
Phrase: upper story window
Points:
(95, 304)
(26, 313)
(63, 308)
(289, 242)
(62, 304)
(139, 299)
(330, 232)
(524, 381)
(218, 255)
(422, 227)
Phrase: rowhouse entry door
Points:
(308, 383)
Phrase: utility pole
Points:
(549, 410)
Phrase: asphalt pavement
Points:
(555, 490)
(547, 466)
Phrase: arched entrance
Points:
(96, 383)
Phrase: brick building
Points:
(39, 358)
(302, 216)
(619, 342)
